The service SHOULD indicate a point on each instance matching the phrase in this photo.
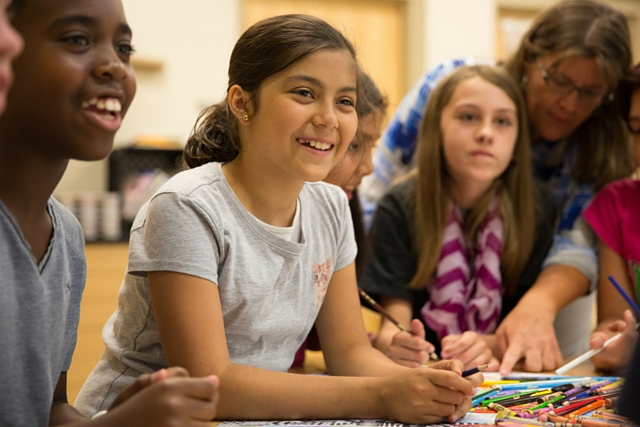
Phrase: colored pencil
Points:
(520, 400)
(479, 397)
(380, 309)
(520, 397)
(566, 410)
(626, 296)
(475, 370)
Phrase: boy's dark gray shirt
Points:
(39, 314)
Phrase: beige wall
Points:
(377, 28)
(458, 28)
(194, 38)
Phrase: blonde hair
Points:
(432, 184)
(589, 29)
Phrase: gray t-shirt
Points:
(39, 313)
(270, 289)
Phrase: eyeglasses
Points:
(565, 86)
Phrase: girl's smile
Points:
(317, 146)
(304, 120)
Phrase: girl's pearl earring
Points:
(245, 117)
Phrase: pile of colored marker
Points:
(550, 402)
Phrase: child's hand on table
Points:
(470, 348)
(410, 349)
(166, 397)
(617, 354)
(429, 394)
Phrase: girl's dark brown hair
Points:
(373, 99)
(264, 49)
(590, 29)
(627, 86)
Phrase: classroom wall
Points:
(457, 28)
(193, 40)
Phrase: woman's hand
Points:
(429, 394)
(471, 349)
(617, 354)
(527, 332)
(410, 349)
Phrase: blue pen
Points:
(626, 296)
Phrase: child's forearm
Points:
(363, 361)
(385, 335)
(414, 396)
(252, 393)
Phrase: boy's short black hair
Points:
(625, 90)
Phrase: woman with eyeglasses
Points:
(568, 65)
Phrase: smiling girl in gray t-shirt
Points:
(234, 260)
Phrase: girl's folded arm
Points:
(189, 318)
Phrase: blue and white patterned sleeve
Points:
(394, 155)
(574, 243)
